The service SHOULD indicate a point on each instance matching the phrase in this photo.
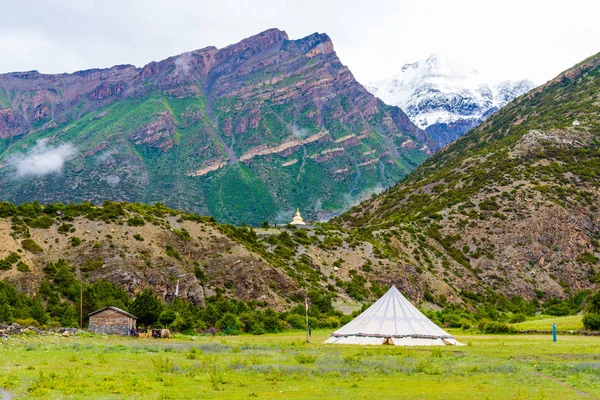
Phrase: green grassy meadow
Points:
(544, 322)
(284, 366)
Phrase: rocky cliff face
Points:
(245, 133)
(510, 206)
(446, 98)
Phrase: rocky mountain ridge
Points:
(245, 133)
(513, 203)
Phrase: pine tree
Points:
(147, 307)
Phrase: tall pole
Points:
(80, 301)
(306, 313)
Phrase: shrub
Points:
(520, 317)
(199, 272)
(136, 221)
(31, 246)
(591, 322)
(22, 267)
(65, 228)
(92, 265)
(228, 321)
(496, 327)
(593, 306)
(296, 321)
(75, 241)
(558, 310)
(171, 252)
(305, 358)
(6, 314)
(139, 237)
(43, 222)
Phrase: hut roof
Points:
(114, 309)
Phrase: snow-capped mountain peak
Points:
(437, 90)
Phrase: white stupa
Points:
(297, 220)
(392, 320)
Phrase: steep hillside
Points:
(245, 133)
(444, 97)
(138, 246)
(511, 206)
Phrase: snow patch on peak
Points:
(439, 90)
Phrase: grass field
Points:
(568, 323)
(283, 366)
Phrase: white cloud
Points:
(301, 133)
(42, 159)
(535, 39)
(182, 64)
(112, 180)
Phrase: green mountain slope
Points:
(246, 133)
(511, 206)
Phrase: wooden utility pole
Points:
(80, 304)
(80, 300)
(306, 313)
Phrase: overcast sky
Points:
(505, 39)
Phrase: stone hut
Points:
(111, 321)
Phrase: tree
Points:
(591, 322)
(167, 317)
(228, 320)
(593, 306)
(38, 312)
(591, 319)
(147, 307)
(6, 314)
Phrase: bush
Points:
(305, 358)
(22, 267)
(296, 321)
(43, 222)
(228, 321)
(558, 310)
(171, 252)
(75, 241)
(136, 221)
(496, 327)
(329, 322)
(452, 321)
(199, 273)
(520, 317)
(593, 306)
(31, 246)
(591, 322)
(92, 265)
(139, 237)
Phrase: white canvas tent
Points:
(392, 320)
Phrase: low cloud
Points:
(284, 216)
(183, 64)
(301, 133)
(106, 155)
(42, 159)
(112, 180)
